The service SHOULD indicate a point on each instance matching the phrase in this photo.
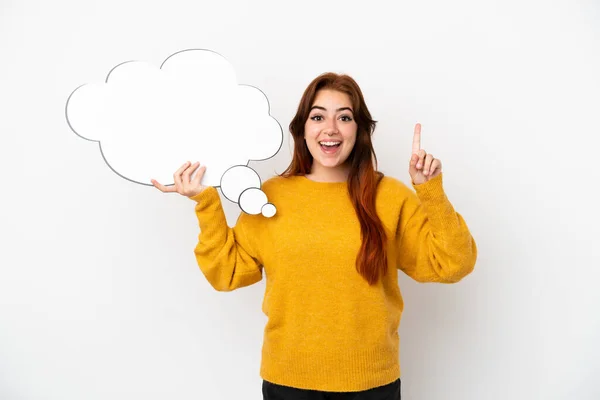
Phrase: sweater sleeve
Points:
(433, 241)
(226, 256)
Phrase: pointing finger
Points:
(416, 146)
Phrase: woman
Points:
(332, 252)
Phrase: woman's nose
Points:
(330, 128)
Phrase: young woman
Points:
(332, 252)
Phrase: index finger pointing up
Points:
(416, 146)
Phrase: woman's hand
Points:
(183, 184)
(423, 166)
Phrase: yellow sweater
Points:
(327, 329)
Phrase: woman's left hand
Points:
(423, 166)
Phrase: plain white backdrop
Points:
(100, 294)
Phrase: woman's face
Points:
(330, 130)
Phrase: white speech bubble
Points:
(241, 184)
(236, 179)
(150, 120)
(254, 201)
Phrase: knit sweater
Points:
(327, 329)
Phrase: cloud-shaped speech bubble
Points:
(149, 120)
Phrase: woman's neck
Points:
(319, 173)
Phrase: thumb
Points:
(412, 165)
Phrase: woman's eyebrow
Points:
(338, 110)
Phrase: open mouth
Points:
(330, 146)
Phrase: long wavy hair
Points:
(363, 178)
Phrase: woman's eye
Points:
(346, 118)
(316, 117)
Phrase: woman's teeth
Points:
(330, 147)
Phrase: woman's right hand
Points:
(183, 184)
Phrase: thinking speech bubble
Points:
(149, 120)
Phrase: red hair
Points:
(363, 178)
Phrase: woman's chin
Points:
(332, 163)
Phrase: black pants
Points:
(272, 391)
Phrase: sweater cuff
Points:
(206, 197)
(433, 189)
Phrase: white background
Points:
(100, 295)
